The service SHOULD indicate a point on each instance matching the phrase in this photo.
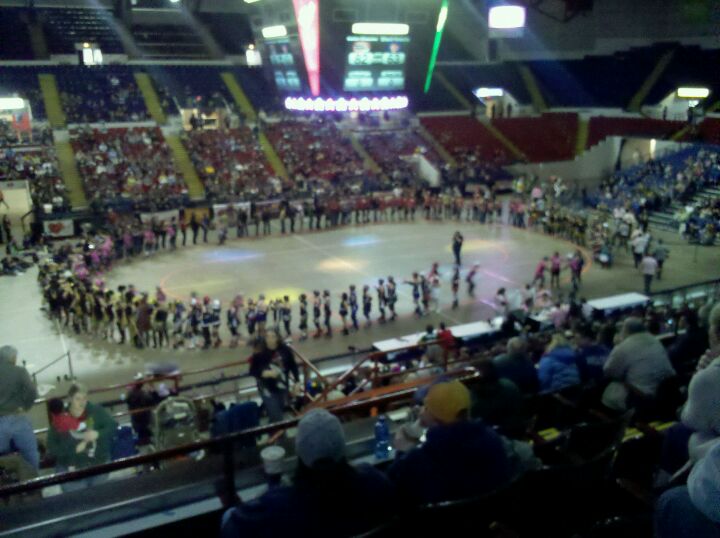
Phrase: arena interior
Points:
(360, 268)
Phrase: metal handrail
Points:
(225, 442)
(51, 363)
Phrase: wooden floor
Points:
(333, 260)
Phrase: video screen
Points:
(282, 64)
(375, 63)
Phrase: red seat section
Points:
(709, 130)
(550, 137)
(463, 135)
(601, 127)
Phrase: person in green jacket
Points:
(81, 437)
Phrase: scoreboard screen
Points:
(375, 63)
(282, 64)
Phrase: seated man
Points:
(329, 497)
(461, 458)
(516, 366)
(637, 366)
(692, 511)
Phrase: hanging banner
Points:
(59, 228)
(307, 14)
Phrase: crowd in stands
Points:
(128, 166)
(30, 156)
(94, 96)
(315, 150)
(231, 164)
(391, 149)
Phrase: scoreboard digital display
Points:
(283, 66)
(375, 63)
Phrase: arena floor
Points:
(332, 260)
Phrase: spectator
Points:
(648, 267)
(273, 366)
(497, 401)
(328, 498)
(460, 458)
(558, 369)
(690, 344)
(516, 366)
(692, 511)
(138, 398)
(713, 324)
(591, 354)
(92, 447)
(17, 394)
(637, 365)
(661, 254)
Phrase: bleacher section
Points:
(690, 66)
(467, 78)
(13, 23)
(23, 82)
(387, 149)
(126, 166)
(94, 94)
(231, 164)
(231, 30)
(169, 41)
(603, 126)
(550, 137)
(595, 81)
(189, 87)
(66, 27)
(462, 135)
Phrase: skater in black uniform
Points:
(391, 297)
(367, 305)
(455, 286)
(353, 307)
(303, 317)
(344, 307)
(286, 315)
(327, 310)
(380, 288)
(317, 304)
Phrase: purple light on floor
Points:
(231, 256)
(360, 241)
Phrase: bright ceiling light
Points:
(380, 28)
(692, 93)
(482, 93)
(251, 1)
(11, 103)
(270, 32)
(506, 17)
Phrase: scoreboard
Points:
(282, 64)
(375, 63)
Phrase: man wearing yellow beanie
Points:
(460, 458)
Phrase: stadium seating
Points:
(168, 41)
(550, 137)
(388, 149)
(461, 135)
(23, 82)
(231, 164)
(595, 81)
(314, 149)
(603, 126)
(689, 67)
(231, 30)
(128, 165)
(66, 27)
(190, 87)
(96, 94)
(709, 130)
(260, 92)
(467, 78)
(12, 23)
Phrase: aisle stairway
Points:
(185, 165)
(437, 146)
(368, 161)
(639, 98)
(70, 174)
(246, 107)
(512, 148)
(583, 133)
(51, 98)
(532, 87)
(664, 219)
(150, 97)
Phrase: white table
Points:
(617, 302)
(394, 344)
(477, 328)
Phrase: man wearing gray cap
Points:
(17, 394)
(329, 497)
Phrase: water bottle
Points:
(382, 438)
